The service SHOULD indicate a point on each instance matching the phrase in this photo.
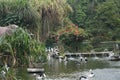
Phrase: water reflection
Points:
(70, 70)
(22, 74)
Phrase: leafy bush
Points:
(72, 37)
(20, 46)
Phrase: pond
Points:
(103, 69)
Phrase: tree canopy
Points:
(100, 19)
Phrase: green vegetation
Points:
(39, 16)
(19, 47)
(72, 37)
(72, 25)
(100, 18)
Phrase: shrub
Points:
(20, 46)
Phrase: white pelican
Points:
(38, 77)
(90, 74)
(83, 78)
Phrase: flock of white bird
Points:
(87, 76)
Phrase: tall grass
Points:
(20, 46)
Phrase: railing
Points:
(107, 53)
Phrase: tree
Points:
(72, 37)
(79, 11)
(106, 20)
(100, 18)
(53, 15)
(39, 16)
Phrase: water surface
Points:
(102, 68)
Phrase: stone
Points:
(8, 30)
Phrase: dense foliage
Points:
(100, 18)
(97, 21)
(19, 47)
(72, 37)
(40, 17)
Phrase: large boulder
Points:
(8, 30)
